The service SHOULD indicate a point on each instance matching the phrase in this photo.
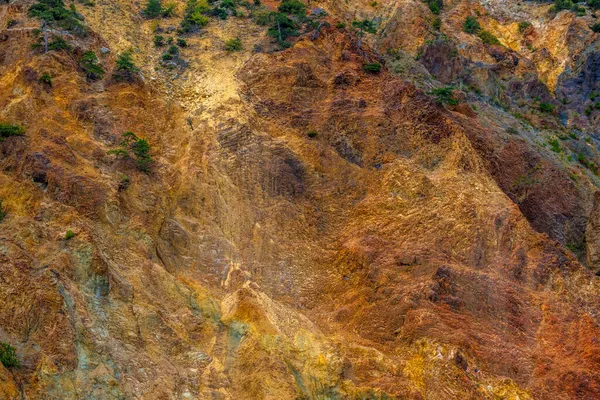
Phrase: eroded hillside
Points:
(310, 227)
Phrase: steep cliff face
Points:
(308, 229)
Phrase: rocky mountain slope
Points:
(391, 209)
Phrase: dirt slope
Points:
(308, 230)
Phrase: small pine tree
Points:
(89, 63)
(364, 26)
(125, 65)
(140, 149)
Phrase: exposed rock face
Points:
(308, 229)
(592, 236)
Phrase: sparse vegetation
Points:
(554, 145)
(169, 10)
(523, 26)
(364, 26)
(588, 164)
(488, 37)
(8, 356)
(2, 211)
(181, 42)
(140, 148)
(46, 79)
(159, 40)
(546, 107)
(232, 45)
(591, 108)
(437, 23)
(69, 235)
(90, 64)
(124, 182)
(471, 25)
(445, 95)
(372, 68)
(8, 130)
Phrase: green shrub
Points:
(69, 235)
(365, 25)
(228, 4)
(488, 37)
(181, 42)
(594, 4)
(312, 134)
(153, 9)
(596, 27)
(159, 40)
(562, 5)
(7, 130)
(193, 18)
(445, 95)
(173, 50)
(437, 23)
(554, 145)
(294, 7)
(372, 68)
(90, 64)
(233, 45)
(435, 6)
(169, 10)
(46, 79)
(262, 17)
(2, 211)
(8, 356)
(471, 25)
(546, 107)
(219, 12)
(523, 26)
